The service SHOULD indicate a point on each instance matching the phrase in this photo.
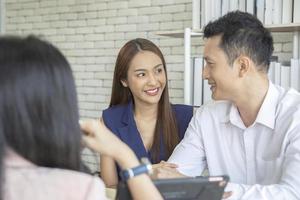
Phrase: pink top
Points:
(26, 181)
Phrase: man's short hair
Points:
(242, 33)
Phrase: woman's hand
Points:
(99, 138)
(165, 170)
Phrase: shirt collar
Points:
(267, 112)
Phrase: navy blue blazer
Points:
(120, 120)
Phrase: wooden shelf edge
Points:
(196, 33)
(179, 33)
(284, 27)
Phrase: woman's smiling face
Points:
(146, 78)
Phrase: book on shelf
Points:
(260, 10)
(197, 84)
(277, 11)
(242, 5)
(277, 73)
(233, 5)
(287, 11)
(295, 74)
(285, 75)
(250, 6)
(207, 11)
(217, 9)
(296, 16)
(196, 12)
(271, 72)
(201, 92)
(225, 6)
(268, 12)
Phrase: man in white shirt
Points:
(252, 131)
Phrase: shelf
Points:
(284, 27)
(180, 33)
(197, 32)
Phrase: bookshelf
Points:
(2, 16)
(188, 33)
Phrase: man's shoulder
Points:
(214, 106)
(289, 103)
(219, 109)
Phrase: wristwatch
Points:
(145, 167)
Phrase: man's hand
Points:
(164, 164)
(164, 170)
(226, 195)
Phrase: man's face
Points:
(221, 76)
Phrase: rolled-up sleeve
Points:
(189, 154)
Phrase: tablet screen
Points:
(198, 188)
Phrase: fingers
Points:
(166, 172)
(171, 165)
(167, 164)
(222, 183)
(84, 126)
(155, 166)
(227, 195)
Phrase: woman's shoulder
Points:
(115, 110)
(114, 116)
(181, 109)
(52, 183)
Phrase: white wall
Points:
(91, 32)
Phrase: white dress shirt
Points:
(262, 160)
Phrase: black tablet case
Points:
(199, 188)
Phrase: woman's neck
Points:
(145, 111)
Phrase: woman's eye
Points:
(159, 70)
(140, 74)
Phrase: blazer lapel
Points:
(129, 133)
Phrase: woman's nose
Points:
(152, 79)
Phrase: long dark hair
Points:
(1, 164)
(38, 103)
(166, 121)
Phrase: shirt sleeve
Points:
(189, 154)
(289, 185)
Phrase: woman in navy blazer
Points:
(140, 113)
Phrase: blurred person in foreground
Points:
(40, 123)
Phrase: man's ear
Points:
(124, 83)
(244, 63)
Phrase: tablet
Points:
(199, 188)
